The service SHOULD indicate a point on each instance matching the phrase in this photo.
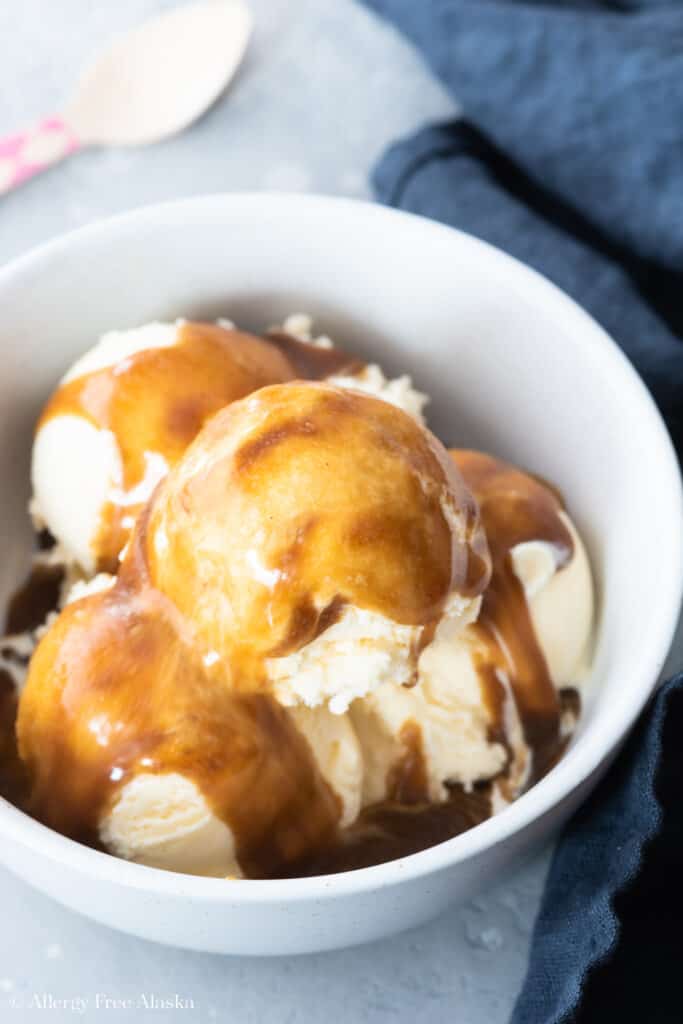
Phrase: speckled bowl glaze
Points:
(513, 366)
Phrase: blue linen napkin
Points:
(571, 159)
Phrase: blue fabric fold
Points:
(570, 157)
(588, 97)
(606, 945)
(453, 173)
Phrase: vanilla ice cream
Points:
(123, 414)
(561, 604)
(447, 703)
(164, 820)
(293, 630)
(132, 742)
(373, 543)
(128, 408)
(368, 378)
(464, 709)
(446, 712)
(181, 751)
(399, 391)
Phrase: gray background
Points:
(324, 88)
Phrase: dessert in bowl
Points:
(292, 634)
(303, 647)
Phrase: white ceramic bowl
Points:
(513, 367)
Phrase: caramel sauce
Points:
(118, 686)
(391, 830)
(115, 689)
(407, 782)
(516, 508)
(14, 782)
(157, 400)
(362, 520)
(33, 601)
(312, 362)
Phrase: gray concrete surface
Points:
(324, 88)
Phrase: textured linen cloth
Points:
(570, 157)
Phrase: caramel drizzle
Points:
(14, 781)
(71, 792)
(116, 690)
(393, 552)
(157, 401)
(118, 686)
(407, 782)
(516, 508)
(124, 666)
(312, 362)
(387, 831)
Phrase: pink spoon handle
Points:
(23, 155)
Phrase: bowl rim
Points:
(581, 761)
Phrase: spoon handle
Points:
(27, 153)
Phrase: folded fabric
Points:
(454, 174)
(588, 96)
(571, 159)
(607, 942)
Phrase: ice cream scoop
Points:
(318, 524)
(164, 820)
(152, 721)
(329, 641)
(537, 615)
(488, 702)
(125, 413)
(131, 740)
